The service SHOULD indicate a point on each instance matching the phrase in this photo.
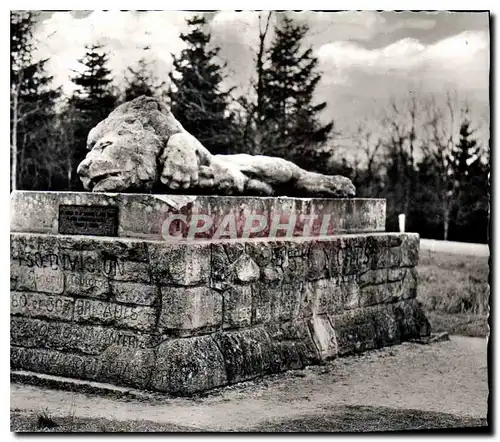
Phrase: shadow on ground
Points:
(338, 419)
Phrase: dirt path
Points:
(448, 377)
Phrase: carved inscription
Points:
(91, 339)
(72, 262)
(37, 304)
(126, 315)
(48, 280)
(55, 362)
(88, 220)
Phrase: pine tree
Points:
(140, 80)
(32, 109)
(92, 101)
(197, 98)
(289, 121)
(470, 185)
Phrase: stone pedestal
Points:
(182, 312)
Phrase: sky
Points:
(365, 57)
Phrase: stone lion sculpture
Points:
(141, 147)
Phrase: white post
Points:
(402, 222)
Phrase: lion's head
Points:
(125, 147)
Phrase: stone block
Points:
(410, 247)
(261, 253)
(265, 302)
(190, 310)
(323, 336)
(86, 285)
(180, 264)
(388, 292)
(55, 362)
(22, 278)
(119, 315)
(295, 271)
(328, 297)
(67, 336)
(131, 271)
(386, 327)
(133, 367)
(355, 331)
(134, 293)
(246, 353)
(317, 262)
(351, 291)
(411, 319)
(288, 303)
(237, 306)
(188, 365)
(246, 270)
(39, 305)
(293, 345)
(271, 273)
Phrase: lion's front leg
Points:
(181, 159)
(316, 184)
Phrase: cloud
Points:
(450, 58)
(358, 25)
(63, 38)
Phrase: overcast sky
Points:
(365, 57)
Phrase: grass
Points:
(454, 292)
(31, 422)
(341, 419)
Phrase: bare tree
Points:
(443, 125)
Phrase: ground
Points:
(408, 386)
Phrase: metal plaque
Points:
(88, 220)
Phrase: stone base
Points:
(187, 317)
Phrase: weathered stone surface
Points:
(410, 247)
(317, 262)
(246, 270)
(293, 345)
(22, 278)
(265, 301)
(397, 285)
(89, 339)
(271, 274)
(327, 296)
(237, 306)
(86, 285)
(39, 305)
(387, 331)
(411, 319)
(102, 308)
(120, 315)
(323, 336)
(366, 328)
(134, 293)
(148, 149)
(55, 362)
(190, 310)
(144, 215)
(351, 290)
(131, 271)
(288, 304)
(247, 353)
(180, 264)
(133, 367)
(355, 331)
(188, 365)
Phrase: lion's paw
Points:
(180, 162)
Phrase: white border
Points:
(196, 5)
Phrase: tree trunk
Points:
(446, 221)
(15, 116)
